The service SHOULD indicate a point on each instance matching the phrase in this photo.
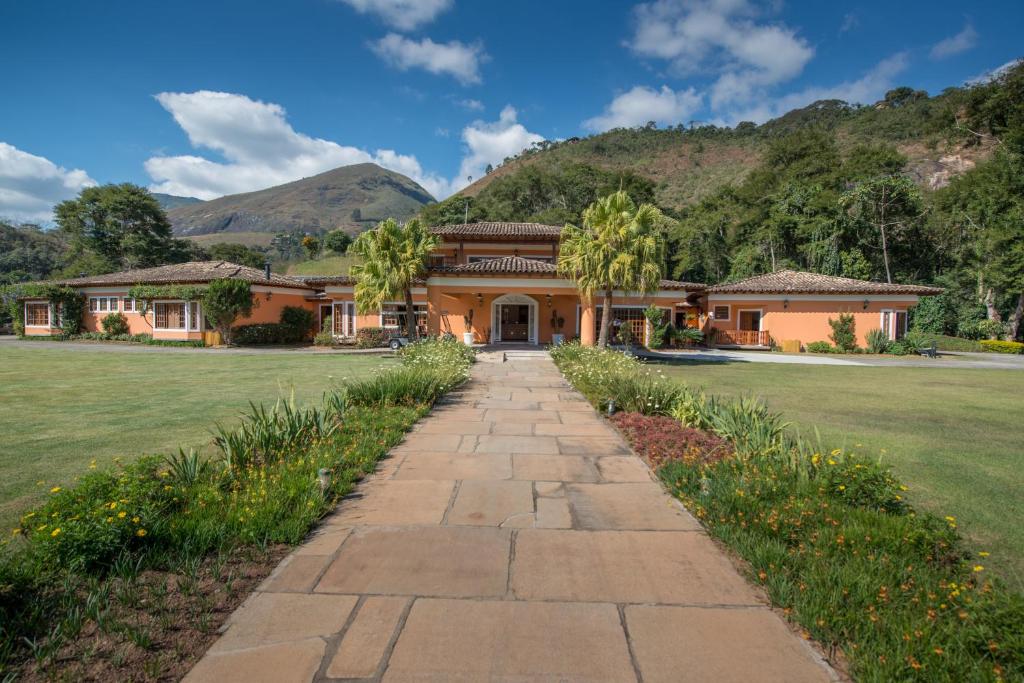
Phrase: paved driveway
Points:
(512, 536)
(946, 359)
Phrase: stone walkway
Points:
(512, 536)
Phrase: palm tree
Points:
(620, 246)
(392, 257)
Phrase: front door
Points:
(515, 322)
(750, 320)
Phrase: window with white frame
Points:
(393, 316)
(37, 314)
(103, 304)
(177, 315)
(721, 312)
(128, 305)
(893, 323)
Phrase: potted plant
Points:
(557, 323)
(467, 336)
(625, 334)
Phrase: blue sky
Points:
(211, 98)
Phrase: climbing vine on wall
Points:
(66, 304)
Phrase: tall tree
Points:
(888, 205)
(122, 224)
(619, 246)
(392, 257)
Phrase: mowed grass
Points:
(62, 408)
(327, 265)
(954, 436)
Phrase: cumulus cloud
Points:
(260, 149)
(30, 185)
(724, 37)
(455, 59)
(954, 45)
(642, 104)
(868, 88)
(491, 142)
(405, 15)
(471, 105)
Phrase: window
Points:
(901, 325)
(169, 316)
(194, 317)
(721, 313)
(393, 315)
(478, 259)
(344, 319)
(886, 323)
(128, 305)
(37, 314)
(633, 317)
(102, 304)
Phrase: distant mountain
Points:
(351, 197)
(170, 201)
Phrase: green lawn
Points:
(62, 408)
(327, 265)
(953, 435)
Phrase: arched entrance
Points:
(514, 319)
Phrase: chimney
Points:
(266, 269)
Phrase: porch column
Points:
(588, 318)
(433, 310)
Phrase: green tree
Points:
(236, 253)
(312, 246)
(123, 224)
(889, 205)
(619, 246)
(225, 301)
(392, 257)
(337, 241)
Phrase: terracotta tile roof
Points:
(679, 284)
(499, 231)
(186, 273)
(320, 280)
(797, 282)
(516, 265)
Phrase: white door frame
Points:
(515, 300)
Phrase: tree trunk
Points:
(410, 315)
(991, 312)
(606, 320)
(885, 257)
(1015, 317)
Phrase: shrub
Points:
(265, 333)
(878, 341)
(115, 324)
(909, 344)
(430, 368)
(603, 375)
(301, 320)
(225, 301)
(819, 347)
(992, 329)
(689, 335)
(659, 439)
(659, 326)
(844, 334)
(372, 337)
(996, 346)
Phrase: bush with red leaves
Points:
(661, 439)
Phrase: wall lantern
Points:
(269, 295)
(548, 297)
(479, 299)
(866, 302)
(785, 303)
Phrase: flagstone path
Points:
(511, 536)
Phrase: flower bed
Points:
(831, 538)
(661, 439)
(85, 554)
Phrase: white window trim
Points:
(888, 329)
(380, 315)
(188, 316)
(533, 330)
(760, 317)
(134, 308)
(107, 298)
(49, 314)
(350, 320)
(715, 317)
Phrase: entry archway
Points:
(508, 322)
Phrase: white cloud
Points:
(471, 105)
(455, 59)
(490, 143)
(405, 15)
(723, 37)
(30, 185)
(642, 104)
(991, 75)
(850, 22)
(260, 147)
(868, 88)
(954, 45)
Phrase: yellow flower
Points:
(950, 519)
(55, 532)
(140, 533)
(122, 514)
(978, 568)
(135, 519)
(842, 488)
(983, 553)
(113, 505)
(15, 532)
(55, 489)
(836, 451)
(109, 520)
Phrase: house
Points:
(499, 282)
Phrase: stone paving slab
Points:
(511, 536)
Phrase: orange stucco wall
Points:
(806, 321)
(459, 254)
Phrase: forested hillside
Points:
(913, 189)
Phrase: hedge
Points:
(997, 346)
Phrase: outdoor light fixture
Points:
(269, 294)
(549, 300)
(866, 302)
(785, 303)
(479, 299)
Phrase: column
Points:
(433, 310)
(588, 319)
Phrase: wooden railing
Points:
(742, 338)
